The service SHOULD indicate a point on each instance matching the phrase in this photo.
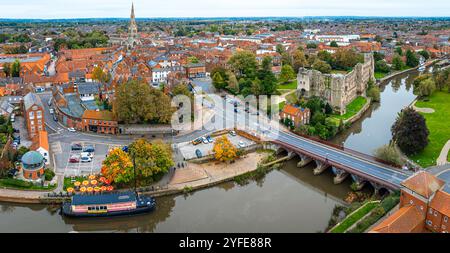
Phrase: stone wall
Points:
(337, 89)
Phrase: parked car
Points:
(209, 139)
(197, 141)
(71, 129)
(241, 144)
(89, 148)
(77, 146)
(49, 102)
(232, 133)
(13, 172)
(87, 154)
(125, 149)
(85, 159)
(55, 118)
(204, 140)
(51, 110)
(13, 117)
(198, 153)
(74, 159)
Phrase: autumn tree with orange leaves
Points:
(224, 150)
(118, 168)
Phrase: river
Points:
(286, 200)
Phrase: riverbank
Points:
(190, 178)
(396, 73)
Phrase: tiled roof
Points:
(405, 220)
(441, 202)
(31, 99)
(423, 183)
(98, 115)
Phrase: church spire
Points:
(132, 10)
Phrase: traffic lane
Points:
(368, 168)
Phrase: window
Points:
(411, 202)
(31, 115)
(445, 218)
(429, 223)
(33, 129)
(39, 114)
(435, 213)
(32, 123)
(430, 211)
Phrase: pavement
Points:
(442, 159)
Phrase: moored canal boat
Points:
(110, 204)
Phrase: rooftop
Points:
(111, 198)
(423, 183)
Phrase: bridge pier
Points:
(359, 182)
(341, 175)
(320, 167)
(304, 160)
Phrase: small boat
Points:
(108, 204)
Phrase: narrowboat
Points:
(108, 204)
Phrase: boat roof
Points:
(109, 198)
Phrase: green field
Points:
(288, 86)
(438, 124)
(353, 108)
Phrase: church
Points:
(132, 39)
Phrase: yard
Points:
(437, 124)
(353, 108)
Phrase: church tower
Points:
(133, 36)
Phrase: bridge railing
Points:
(348, 150)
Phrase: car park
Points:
(77, 146)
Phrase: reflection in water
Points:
(288, 200)
(373, 130)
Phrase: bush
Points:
(49, 174)
(374, 93)
(390, 154)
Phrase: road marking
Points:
(56, 147)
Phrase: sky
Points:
(49, 9)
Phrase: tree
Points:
(152, 159)
(399, 51)
(410, 131)
(315, 105)
(346, 59)
(224, 150)
(233, 84)
(390, 154)
(411, 59)
(322, 66)
(334, 44)
(425, 54)
(15, 68)
(280, 49)
(425, 88)
(311, 45)
(328, 109)
(381, 66)
(397, 63)
(243, 64)
(7, 69)
(118, 168)
(374, 93)
(287, 74)
(299, 60)
(193, 59)
(98, 74)
(218, 81)
(137, 102)
(268, 79)
(378, 56)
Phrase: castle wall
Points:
(337, 89)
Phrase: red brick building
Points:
(299, 116)
(424, 207)
(99, 122)
(34, 114)
(194, 70)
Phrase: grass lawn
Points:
(379, 75)
(288, 86)
(353, 108)
(17, 184)
(353, 218)
(438, 124)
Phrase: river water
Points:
(286, 200)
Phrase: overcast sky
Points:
(221, 8)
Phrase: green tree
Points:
(411, 59)
(426, 88)
(193, 59)
(389, 153)
(15, 68)
(287, 74)
(381, 66)
(322, 66)
(399, 51)
(7, 69)
(410, 131)
(334, 44)
(425, 54)
(397, 63)
(218, 81)
(280, 49)
(233, 83)
(299, 60)
(243, 64)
